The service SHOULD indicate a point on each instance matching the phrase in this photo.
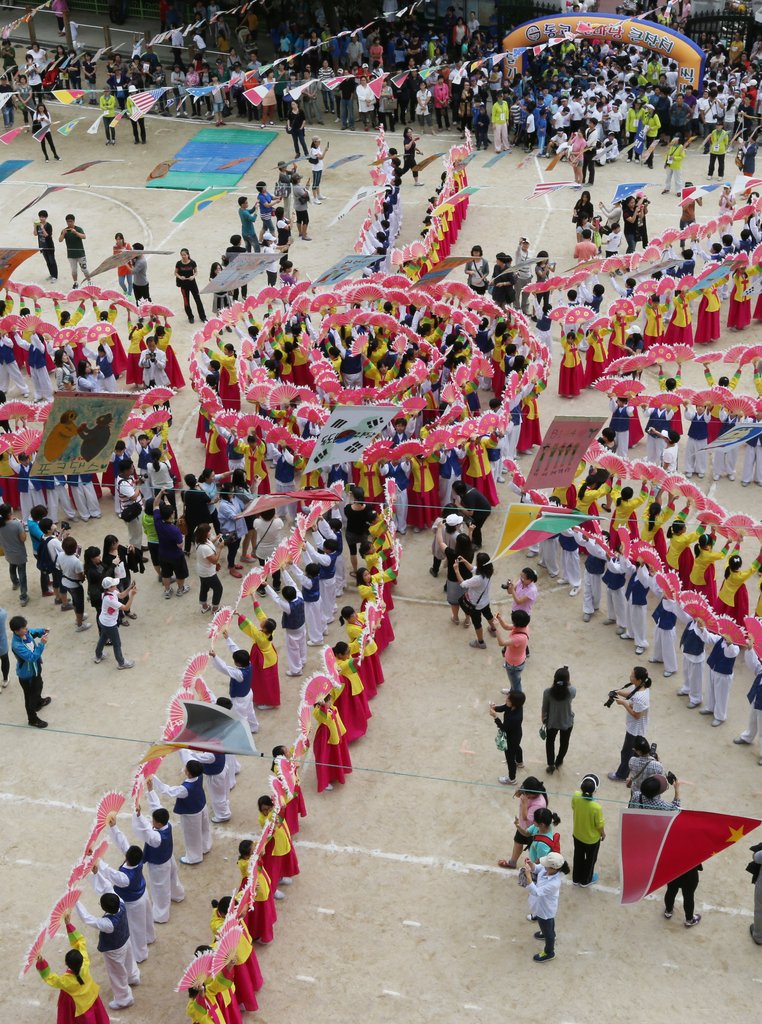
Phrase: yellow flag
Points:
(517, 519)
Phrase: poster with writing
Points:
(565, 442)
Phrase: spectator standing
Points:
(558, 717)
(588, 831)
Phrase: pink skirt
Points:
(265, 682)
(97, 1014)
(571, 380)
(354, 712)
(374, 663)
(739, 313)
(332, 761)
(261, 918)
(368, 677)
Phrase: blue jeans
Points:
(109, 633)
(514, 674)
(548, 928)
(347, 113)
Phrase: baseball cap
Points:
(108, 582)
(453, 520)
(553, 860)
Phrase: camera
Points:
(65, 525)
(504, 586)
(611, 698)
(652, 750)
(671, 778)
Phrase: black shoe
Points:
(191, 320)
(539, 935)
(433, 572)
(559, 764)
(45, 701)
(550, 769)
(39, 724)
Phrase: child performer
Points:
(79, 1001)
(332, 760)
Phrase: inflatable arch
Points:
(666, 42)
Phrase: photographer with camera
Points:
(651, 790)
(636, 700)
(643, 764)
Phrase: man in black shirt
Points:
(476, 508)
(44, 234)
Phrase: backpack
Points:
(45, 562)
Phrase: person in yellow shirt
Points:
(78, 983)
(332, 760)
(679, 554)
(501, 115)
(625, 504)
(265, 681)
(279, 859)
(702, 572)
(107, 104)
(352, 700)
(674, 164)
(733, 598)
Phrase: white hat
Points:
(453, 520)
(553, 860)
(268, 236)
(132, 88)
(108, 582)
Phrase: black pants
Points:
(5, 664)
(32, 697)
(478, 519)
(687, 884)
(588, 167)
(110, 133)
(442, 112)
(191, 288)
(631, 142)
(139, 128)
(550, 744)
(141, 291)
(210, 583)
(628, 749)
(585, 856)
(548, 928)
(47, 140)
(514, 755)
(233, 547)
(49, 255)
(720, 158)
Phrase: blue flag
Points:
(627, 189)
(640, 138)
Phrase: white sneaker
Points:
(285, 881)
(574, 591)
(126, 665)
(278, 895)
(168, 593)
(183, 590)
(505, 781)
(328, 789)
(83, 627)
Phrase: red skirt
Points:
(740, 609)
(708, 588)
(757, 314)
(739, 313)
(302, 376)
(231, 1013)
(354, 712)
(97, 1013)
(285, 866)
(713, 428)
(529, 435)
(594, 370)
(263, 484)
(636, 430)
(373, 661)
(679, 335)
(368, 677)
(571, 380)
(261, 918)
(118, 355)
(484, 484)
(332, 761)
(9, 489)
(384, 635)
(295, 809)
(174, 372)
(229, 394)
(134, 369)
(423, 508)
(265, 682)
(660, 544)
(245, 977)
(708, 325)
(498, 379)
(684, 567)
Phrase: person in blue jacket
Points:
(28, 646)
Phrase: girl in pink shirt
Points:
(532, 796)
(523, 591)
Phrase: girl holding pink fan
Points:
(79, 1001)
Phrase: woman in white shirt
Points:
(316, 158)
(636, 700)
(207, 566)
(543, 892)
(476, 597)
(159, 475)
(422, 104)
(112, 604)
(366, 102)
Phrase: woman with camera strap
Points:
(636, 700)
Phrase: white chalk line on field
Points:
(417, 860)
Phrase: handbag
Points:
(543, 732)
(182, 525)
(501, 741)
(131, 511)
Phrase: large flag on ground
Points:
(80, 433)
(526, 525)
(544, 188)
(659, 846)
(199, 203)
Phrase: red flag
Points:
(658, 846)
(377, 85)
